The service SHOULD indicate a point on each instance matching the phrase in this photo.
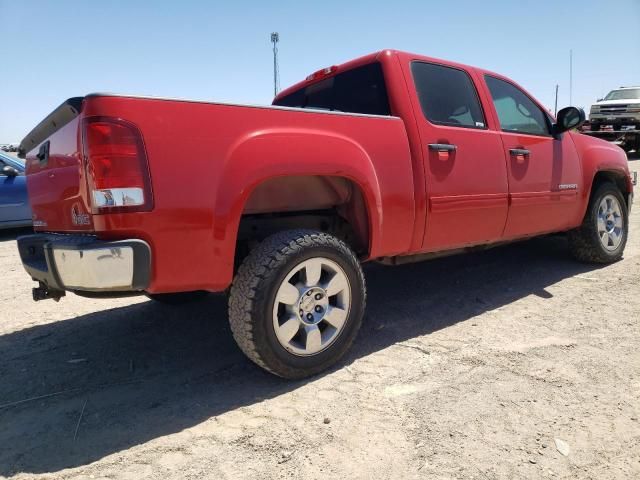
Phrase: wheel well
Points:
(613, 177)
(330, 204)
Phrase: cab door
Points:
(464, 161)
(544, 171)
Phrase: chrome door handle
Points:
(442, 147)
(520, 152)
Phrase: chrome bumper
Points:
(96, 268)
(86, 264)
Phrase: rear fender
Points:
(270, 153)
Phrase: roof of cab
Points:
(372, 57)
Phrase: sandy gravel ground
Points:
(466, 367)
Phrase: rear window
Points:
(360, 90)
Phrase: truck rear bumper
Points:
(85, 264)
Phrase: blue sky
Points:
(52, 50)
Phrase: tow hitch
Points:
(42, 292)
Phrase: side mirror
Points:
(10, 171)
(569, 118)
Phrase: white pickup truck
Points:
(620, 108)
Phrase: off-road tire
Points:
(253, 293)
(179, 298)
(584, 242)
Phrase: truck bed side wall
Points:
(206, 159)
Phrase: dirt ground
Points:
(466, 367)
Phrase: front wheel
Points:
(603, 234)
(296, 303)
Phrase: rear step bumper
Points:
(84, 264)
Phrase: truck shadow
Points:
(146, 370)
(13, 233)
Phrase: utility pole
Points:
(555, 109)
(570, 77)
(275, 38)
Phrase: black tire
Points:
(253, 293)
(584, 241)
(178, 298)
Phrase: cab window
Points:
(447, 95)
(516, 111)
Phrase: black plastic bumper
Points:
(618, 121)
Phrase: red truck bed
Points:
(202, 182)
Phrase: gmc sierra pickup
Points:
(392, 157)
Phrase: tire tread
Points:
(584, 243)
(259, 269)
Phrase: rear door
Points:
(544, 171)
(464, 161)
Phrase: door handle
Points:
(520, 152)
(442, 147)
(43, 152)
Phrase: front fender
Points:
(598, 156)
(276, 152)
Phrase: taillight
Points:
(116, 165)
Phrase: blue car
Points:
(14, 203)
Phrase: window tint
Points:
(447, 95)
(516, 111)
(320, 95)
(360, 90)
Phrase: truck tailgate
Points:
(55, 174)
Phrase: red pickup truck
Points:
(392, 157)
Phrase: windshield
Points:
(626, 94)
(11, 161)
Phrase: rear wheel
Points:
(603, 234)
(297, 302)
